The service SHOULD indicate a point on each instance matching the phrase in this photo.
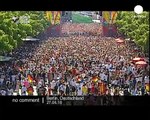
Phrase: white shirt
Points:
(89, 85)
(124, 69)
(1, 80)
(102, 75)
(62, 87)
(74, 83)
(112, 92)
(24, 89)
(79, 92)
(146, 79)
(107, 66)
(10, 92)
(53, 84)
(80, 68)
(139, 79)
(13, 77)
(105, 77)
(79, 88)
(127, 82)
(60, 75)
(39, 84)
(92, 72)
(121, 93)
(3, 92)
(55, 76)
(23, 94)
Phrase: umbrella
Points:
(117, 39)
(136, 59)
(141, 63)
(120, 41)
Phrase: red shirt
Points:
(30, 89)
(53, 69)
(93, 89)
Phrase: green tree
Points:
(12, 33)
(135, 27)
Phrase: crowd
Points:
(75, 65)
(81, 29)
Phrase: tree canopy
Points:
(12, 31)
(135, 26)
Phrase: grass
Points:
(77, 18)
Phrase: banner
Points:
(109, 18)
(106, 16)
(49, 16)
(53, 17)
(57, 17)
(113, 17)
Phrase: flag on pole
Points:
(20, 69)
(49, 16)
(113, 17)
(30, 79)
(147, 87)
(102, 88)
(95, 79)
(106, 16)
(57, 16)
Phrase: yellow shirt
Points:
(84, 89)
(147, 88)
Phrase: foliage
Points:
(12, 32)
(135, 27)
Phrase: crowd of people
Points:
(81, 29)
(75, 65)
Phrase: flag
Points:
(20, 69)
(147, 87)
(78, 79)
(106, 16)
(102, 88)
(53, 17)
(95, 79)
(113, 17)
(49, 16)
(30, 79)
(57, 15)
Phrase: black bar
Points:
(73, 5)
(87, 101)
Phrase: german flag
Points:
(49, 16)
(20, 69)
(147, 87)
(79, 79)
(30, 79)
(95, 79)
(102, 87)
